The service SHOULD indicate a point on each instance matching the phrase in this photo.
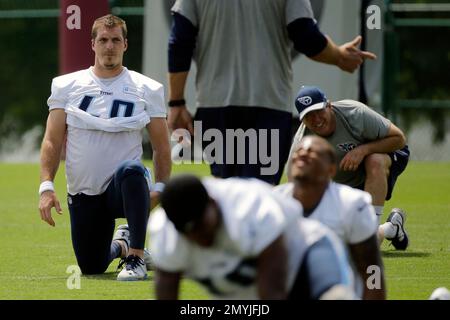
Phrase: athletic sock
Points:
(116, 250)
(389, 230)
(379, 212)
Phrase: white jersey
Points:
(253, 217)
(346, 211)
(104, 122)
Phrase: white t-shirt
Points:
(346, 211)
(253, 217)
(104, 123)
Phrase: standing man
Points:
(102, 110)
(242, 51)
(345, 210)
(241, 241)
(371, 151)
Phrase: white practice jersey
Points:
(346, 211)
(104, 122)
(253, 217)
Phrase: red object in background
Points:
(75, 24)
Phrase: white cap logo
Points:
(306, 100)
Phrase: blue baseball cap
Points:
(310, 99)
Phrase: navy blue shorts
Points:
(399, 160)
(246, 118)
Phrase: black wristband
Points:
(177, 103)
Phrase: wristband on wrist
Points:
(158, 187)
(177, 103)
(46, 186)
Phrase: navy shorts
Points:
(399, 160)
(246, 118)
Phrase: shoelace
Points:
(131, 262)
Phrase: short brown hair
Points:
(109, 21)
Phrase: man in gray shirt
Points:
(371, 151)
(244, 72)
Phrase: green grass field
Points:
(35, 256)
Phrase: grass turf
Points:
(35, 256)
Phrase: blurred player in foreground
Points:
(102, 110)
(242, 241)
(345, 210)
(371, 151)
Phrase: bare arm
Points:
(166, 285)
(394, 140)
(178, 117)
(347, 56)
(365, 254)
(162, 163)
(272, 271)
(50, 157)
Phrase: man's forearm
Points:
(166, 285)
(50, 158)
(330, 54)
(385, 145)
(162, 164)
(177, 83)
(52, 144)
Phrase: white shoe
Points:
(398, 218)
(148, 260)
(133, 270)
(441, 293)
(123, 233)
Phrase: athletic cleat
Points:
(123, 233)
(148, 260)
(133, 270)
(398, 218)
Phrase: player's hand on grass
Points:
(353, 159)
(351, 56)
(180, 118)
(47, 201)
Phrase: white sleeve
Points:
(265, 224)
(296, 9)
(364, 222)
(188, 9)
(169, 250)
(58, 97)
(285, 189)
(156, 107)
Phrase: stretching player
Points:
(345, 210)
(242, 241)
(102, 110)
(371, 151)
